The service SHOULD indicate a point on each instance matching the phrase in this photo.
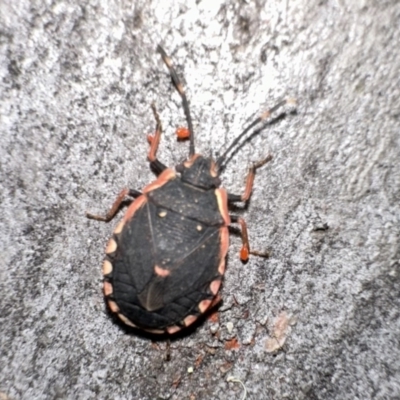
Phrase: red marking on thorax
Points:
(164, 177)
(139, 202)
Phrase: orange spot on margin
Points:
(189, 320)
(204, 305)
(224, 238)
(119, 227)
(108, 289)
(222, 199)
(214, 287)
(113, 306)
(111, 246)
(126, 320)
(107, 267)
(173, 329)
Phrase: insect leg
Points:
(249, 182)
(156, 165)
(116, 205)
(245, 250)
(179, 87)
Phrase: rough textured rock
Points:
(77, 79)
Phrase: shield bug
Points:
(165, 261)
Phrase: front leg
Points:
(154, 140)
(245, 250)
(116, 205)
(249, 182)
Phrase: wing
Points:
(166, 267)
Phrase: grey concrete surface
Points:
(320, 318)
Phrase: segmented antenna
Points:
(262, 117)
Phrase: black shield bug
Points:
(166, 259)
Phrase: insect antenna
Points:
(179, 87)
(266, 114)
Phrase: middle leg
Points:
(154, 140)
(249, 182)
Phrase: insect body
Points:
(166, 259)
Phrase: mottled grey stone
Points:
(76, 83)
